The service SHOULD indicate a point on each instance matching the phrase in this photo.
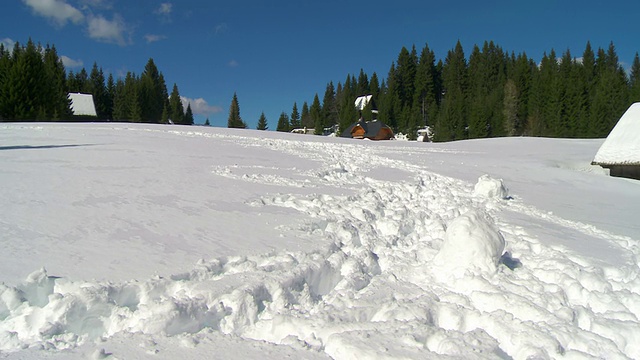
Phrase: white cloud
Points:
(200, 106)
(8, 43)
(100, 4)
(164, 11)
(233, 63)
(151, 38)
(165, 8)
(109, 31)
(57, 10)
(70, 63)
(221, 29)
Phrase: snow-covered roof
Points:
(362, 101)
(82, 104)
(622, 146)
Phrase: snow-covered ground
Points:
(139, 241)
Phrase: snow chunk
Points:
(472, 242)
(489, 187)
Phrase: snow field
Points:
(419, 268)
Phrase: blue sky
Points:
(275, 53)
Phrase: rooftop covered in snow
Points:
(622, 146)
(82, 104)
(620, 152)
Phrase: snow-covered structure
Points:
(303, 130)
(372, 130)
(361, 129)
(82, 104)
(620, 152)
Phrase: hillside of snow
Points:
(130, 241)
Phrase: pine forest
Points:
(34, 86)
(489, 93)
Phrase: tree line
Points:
(493, 93)
(34, 86)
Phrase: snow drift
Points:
(184, 241)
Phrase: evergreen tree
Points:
(207, 123)
(59, 104)
(132, 108)
(119, 101)
(176, 111)
(135, 109)
(634, 81)
(390, 105)
(485, 92)
(451, 122)
(329, 112)
(363, 84)
(405, 75)
(611, 92)
(295, 117)
(338, 98)
(305, 117)
(5, 66)
(283, 122)
(510, 107)
(315, 115)
(188, 116)
(573, 96)
(348, 112)
(24, 85)
(425, 105)
(110, 96)
(589, 78)
(164, 92)
(164, 119)
(81, 82)
(374, 87)
(522, 73)
(235, 121)
(546, 103)
(152, 92)
(99, 91)
(262, 122)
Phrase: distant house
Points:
(620, 152)
(82, 104)
(373, 130)
(425, 134)
(303, 130)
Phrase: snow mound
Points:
(489, 187)
(473, 243)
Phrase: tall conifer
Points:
(262, 122)
(283, 122)
(315, 115)
(451, 123)
(295, 117)
(234, 120)
(305, 117)
(188, 116)
(176, 110)
(634, 80)
(98, 89)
